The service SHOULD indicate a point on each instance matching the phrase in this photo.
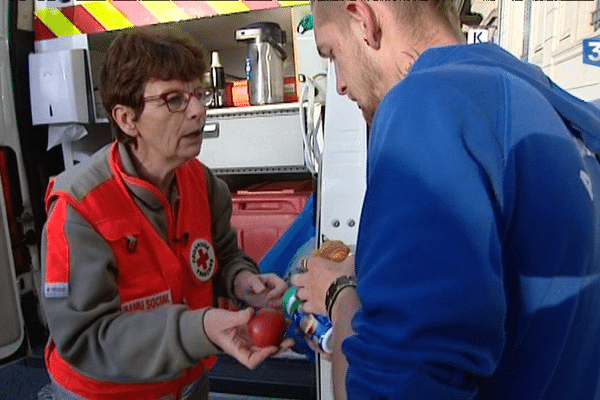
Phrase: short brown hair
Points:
(136, 57)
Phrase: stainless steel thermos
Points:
(264, 61)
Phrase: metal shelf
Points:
(252, 111)
(289, 378)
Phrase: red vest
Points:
(151, 272)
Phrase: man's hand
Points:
(263, 290)
(317, 349)
(319, 273)
(228, 330)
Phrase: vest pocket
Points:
(124, 235)
(141, 256)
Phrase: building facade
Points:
(550, 34)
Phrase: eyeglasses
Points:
(177, 100)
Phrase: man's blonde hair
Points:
(413, 12)
(409, 12)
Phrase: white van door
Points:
(12, 332)
(14, 204)
(342, 185)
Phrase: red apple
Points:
(266, 327)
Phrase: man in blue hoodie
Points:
(477, 268)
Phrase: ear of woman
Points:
(125, 118)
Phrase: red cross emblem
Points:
(202, 259)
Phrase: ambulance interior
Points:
(269, 155)
(296, 173)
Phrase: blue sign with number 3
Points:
(591, 51)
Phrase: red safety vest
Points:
(182, 274)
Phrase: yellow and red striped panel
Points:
(106, 15)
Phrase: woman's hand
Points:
(263, 290)
(228, 330)
(318, 275)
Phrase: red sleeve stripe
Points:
(56, 282)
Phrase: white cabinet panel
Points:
(253, 140)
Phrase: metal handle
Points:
(277, 47)
(211, 130)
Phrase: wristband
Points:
(335, 288)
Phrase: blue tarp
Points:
(292, 243)
(297, 241)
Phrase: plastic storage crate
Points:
(263, 212)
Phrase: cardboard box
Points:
(237, 92)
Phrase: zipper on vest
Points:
(117, 171)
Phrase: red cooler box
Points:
(263, 212)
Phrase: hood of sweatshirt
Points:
(582, 117)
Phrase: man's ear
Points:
(125, 117)
(362, 13)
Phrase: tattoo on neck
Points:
(412, 56)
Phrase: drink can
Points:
(317, 328)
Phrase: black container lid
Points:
(266, 30)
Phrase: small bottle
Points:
(218, 80)
(207, 83)
(316, 327)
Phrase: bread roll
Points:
(333, 250)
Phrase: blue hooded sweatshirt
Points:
(478, 255)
